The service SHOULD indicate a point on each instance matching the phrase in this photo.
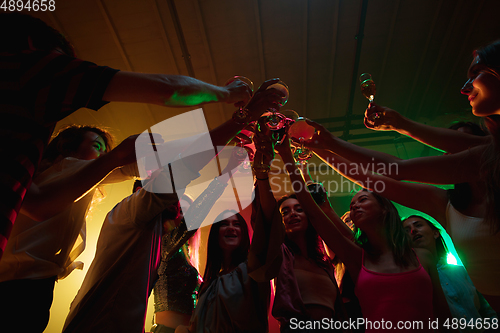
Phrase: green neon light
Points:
(451, 260)
(193, 99)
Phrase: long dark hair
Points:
(314, 244)
(214, 251)
(490, 171)
(440, 244)
(398, 239)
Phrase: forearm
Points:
(264, 257)
(355, 172)
(446, 140)
(366, 157)
(450, 169)
(165, 90)
(266, 198)
(39, 201)
(405, 193)
(305, 172)
(332, 215)
(120, 174)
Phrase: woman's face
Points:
(483, 89)
(422, 235)
(294, 217)
(364, 207)
(91, 147)
(229, 232)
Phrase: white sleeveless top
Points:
(478, 248)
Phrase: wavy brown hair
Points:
(314, 244)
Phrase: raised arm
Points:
(264, 156)
(450, 169)
(40, 198)
(329, 230)
(381, 118)
(264, 259)
(425, 198)
(172, 90)
(304, 169)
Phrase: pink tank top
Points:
(403, 299)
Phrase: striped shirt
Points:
(37, 89)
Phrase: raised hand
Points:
(238, 93)
(264, 99)
(381, 118)
(320, 138)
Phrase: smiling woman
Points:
(230, 236)
(482, 87)
(228, 246)
(306, 286)
(473, 223)
(294, 218)
(234, 296)
(381, 263)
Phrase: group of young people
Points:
(382, 270)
